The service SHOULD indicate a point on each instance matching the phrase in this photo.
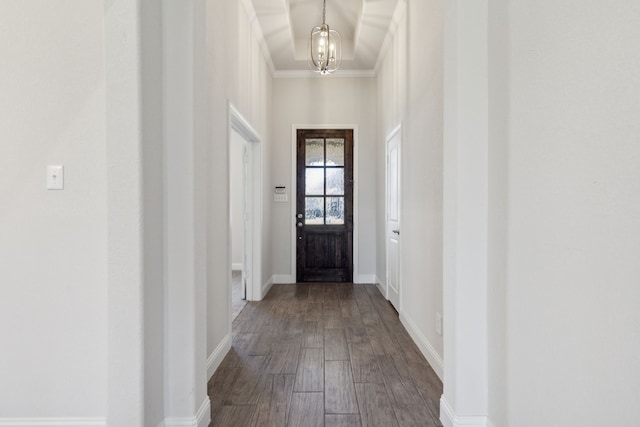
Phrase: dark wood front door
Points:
(324, 220)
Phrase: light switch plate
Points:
(55, 177)
(280, 198)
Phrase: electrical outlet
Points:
(439, 323)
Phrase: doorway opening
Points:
(238, 192)
(245, 213)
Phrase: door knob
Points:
(299, 216)
(299, 224)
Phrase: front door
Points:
(324, 219)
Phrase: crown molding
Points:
(396, 20)
(258, 34)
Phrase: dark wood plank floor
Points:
(323, 355)
(237, 303)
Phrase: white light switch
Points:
(280, 198)
(55, 177)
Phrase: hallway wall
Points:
(410, 91)
(238, 73)
(573, 186)
(53, 278)
(318, 101)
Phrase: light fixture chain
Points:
(324, 12)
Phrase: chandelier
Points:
(325, 51)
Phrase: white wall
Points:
(497, 210)
(53, 286)
(238, 73)
(410, 90)
(185, 209)
(320, 101)
(154, 233)
(573, 325)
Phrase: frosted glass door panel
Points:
(335, 152)
(314, 210)
(335, 210)
(314, 182)
(314, 152)
(335, 181)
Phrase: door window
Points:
(324, 181)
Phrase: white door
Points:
(246, 232)
(393, 219)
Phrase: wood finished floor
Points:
(237, 303)
(323, 355)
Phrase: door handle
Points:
(397, 232)
(299, 216)
(299, 224)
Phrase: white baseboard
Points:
(382, 290)
(215, 358)
(448, 418)
(282, 278)
(201, 419)
(265, 288)
(203, 416)
(424, 345)
(365, 279)
(382, 287)
(236, 266)
(53, 422)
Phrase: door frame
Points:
(253, 241)
(294, 192)
(394, 132)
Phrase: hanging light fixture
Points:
(325, 50)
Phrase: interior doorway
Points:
(245, 213)
(238, 195)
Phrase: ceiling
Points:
(286, 26)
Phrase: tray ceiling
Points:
(286, 25)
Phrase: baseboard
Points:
(53, 422)
(366, 278)
(215, 358)
(236, 266)
(265, 288)
(424, 345)
(201, 419)
(382, 290)
(282, 278)
(448, 418)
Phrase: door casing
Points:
(253, 246)
(294, 188)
